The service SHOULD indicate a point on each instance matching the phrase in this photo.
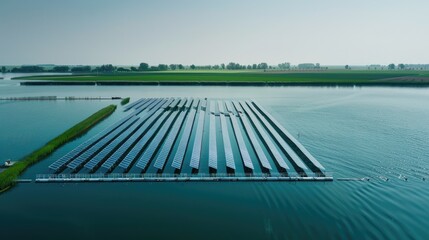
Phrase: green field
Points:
(320, 77)
(8, 177)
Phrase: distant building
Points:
(375, 67)
(417, 66)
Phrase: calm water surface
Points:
(381, 133)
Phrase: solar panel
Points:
(212, 143)
(174, 103)
(195, 103)
(77, 162)
(168, 145)
(240, 141)
(229, 107)
(143, 142)
(229, 157)
(182, 103)
(168, 102)
(198, 141)
(60, 163)
(221, 107)
(184, 140)
(212, 107)
(142, 105)
(112, 160)
(253, 140)
(291, 139)
(188, 103)
(99, 157)
(287, 150)
(266, 139)
(204, 104)
(155, 143)
(131, 105)
(150, 126)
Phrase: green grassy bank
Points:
(8, 177)
(319, 77)
(125, 101)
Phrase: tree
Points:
(81, 69)
(134, 69)
(181, 67)
(401, 66)
(391, 66)
(192, 66)
(121, 69)
(143, 67)
(216, 67)
(222, 65)
(106, 68)
(28, 69)
(285, 65)
(249, 67)
(254, 66)
(162, 67)
(263, 66)
(173, 66)
(3, 69)
(61, 69)
(346, 67)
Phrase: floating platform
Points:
(190, 139)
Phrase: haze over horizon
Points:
(331, 32)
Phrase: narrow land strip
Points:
(8, 177)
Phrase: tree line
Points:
(142, 67)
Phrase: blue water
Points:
(380, 133)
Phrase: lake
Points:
(376, 132)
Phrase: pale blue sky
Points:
(211, 32)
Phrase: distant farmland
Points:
(326, 77)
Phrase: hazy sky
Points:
(212, 32)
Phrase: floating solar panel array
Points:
(191, 136)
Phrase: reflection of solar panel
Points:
(291, 139)
(198, 141)
(283, 145)
(155, 143)
(168, 145)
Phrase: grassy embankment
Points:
(8, 177)
(125, 101)
(304, 77)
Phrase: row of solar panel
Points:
(156, 132)
(57, 165)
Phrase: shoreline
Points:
(204, 83)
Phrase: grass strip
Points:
(125, 101)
